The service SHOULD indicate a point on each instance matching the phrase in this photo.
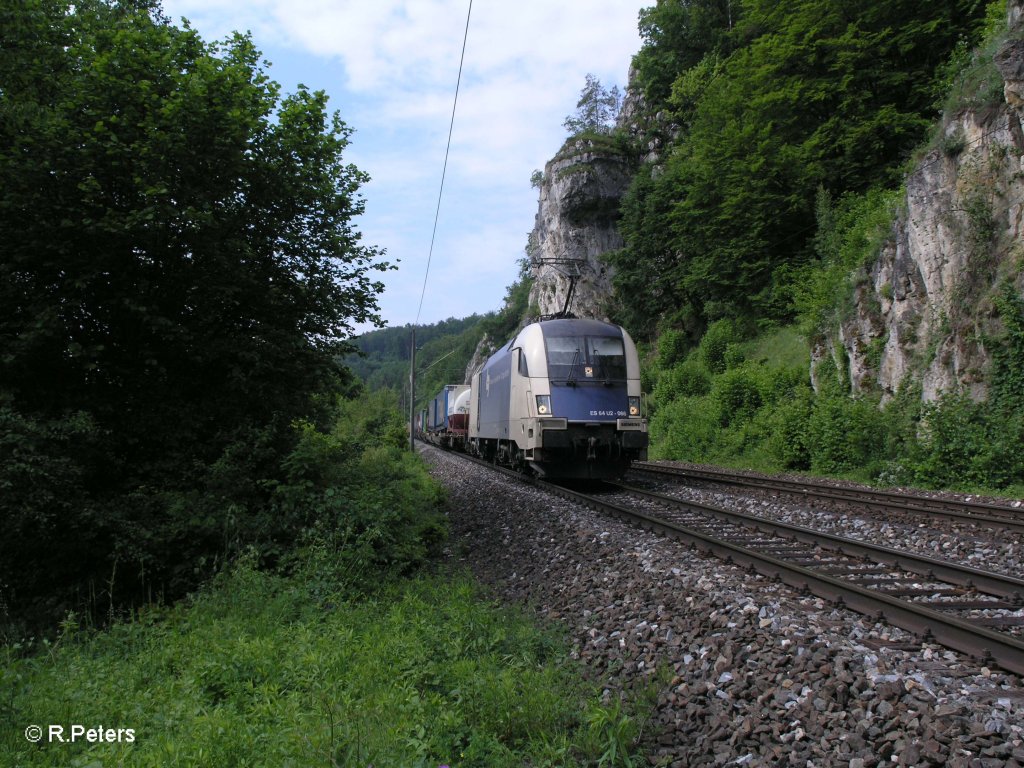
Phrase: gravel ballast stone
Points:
(748, 672)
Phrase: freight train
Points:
(560, 400)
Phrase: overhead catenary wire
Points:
(444, 168)
(433, 237)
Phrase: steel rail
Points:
(987, 645)
(983, 581)
(1009, 517)
(950, 631)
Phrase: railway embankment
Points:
(747, 671)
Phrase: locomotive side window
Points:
(524, 369)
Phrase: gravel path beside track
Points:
(749, 672)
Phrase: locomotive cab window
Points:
(608, 357)
(565, 356)
(581, 358)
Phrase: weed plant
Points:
(261, 669)
(339, 650)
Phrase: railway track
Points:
(922, 595)
(965, 609)
(999, 516)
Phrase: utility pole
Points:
(412, 392)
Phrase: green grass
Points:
(255, 671)
(781, 347)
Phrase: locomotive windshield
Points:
(586, 358)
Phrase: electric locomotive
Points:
(562, 399)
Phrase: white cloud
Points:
(390, 67)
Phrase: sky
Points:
(390, 69)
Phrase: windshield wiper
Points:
(570, 380)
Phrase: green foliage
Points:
(366, 507)
(789, 433)
(849, 236)
(596, 109)
(268, 670)
(969, 79)
(736, 395)
(772, 104)
(611, 734)
(685, 429)
(702, 416)
(180, 271)
(672, 348)
(687, 379)
(1008, 371)
(807, 111)
(951, 446)
(382, 361)
(714, 343)
(844, 435)
(974, 445)
(678, 36)
(763, 414)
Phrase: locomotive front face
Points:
(562, 397)
(588, 403)
(588, 377)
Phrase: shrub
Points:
(688, 379)
(713, 344)
(672, 348)
(847, 435)
(736, 394)
(789, 440)
(684, 429)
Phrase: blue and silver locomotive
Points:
(562, 399)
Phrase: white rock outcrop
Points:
(924, 311)
(576, 220)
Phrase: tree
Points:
(596, 109)
(793, 97)
(178, 263)
(677, 34)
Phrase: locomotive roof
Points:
(578, 327)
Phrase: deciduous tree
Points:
(179, 268)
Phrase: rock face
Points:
(484, 349)
(578, 210)
(576, 221)
(924, 310)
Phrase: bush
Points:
(368, 509)
(960, 444)
(847, 435)
(713, 344)
(789, 440)
(672, 348)
(685, 429)
(736, 394)
(688, 379)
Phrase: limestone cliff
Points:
(578, 208)
(577, 211)
(924, 311)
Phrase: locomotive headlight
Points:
(634, 406)
(544, 405)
